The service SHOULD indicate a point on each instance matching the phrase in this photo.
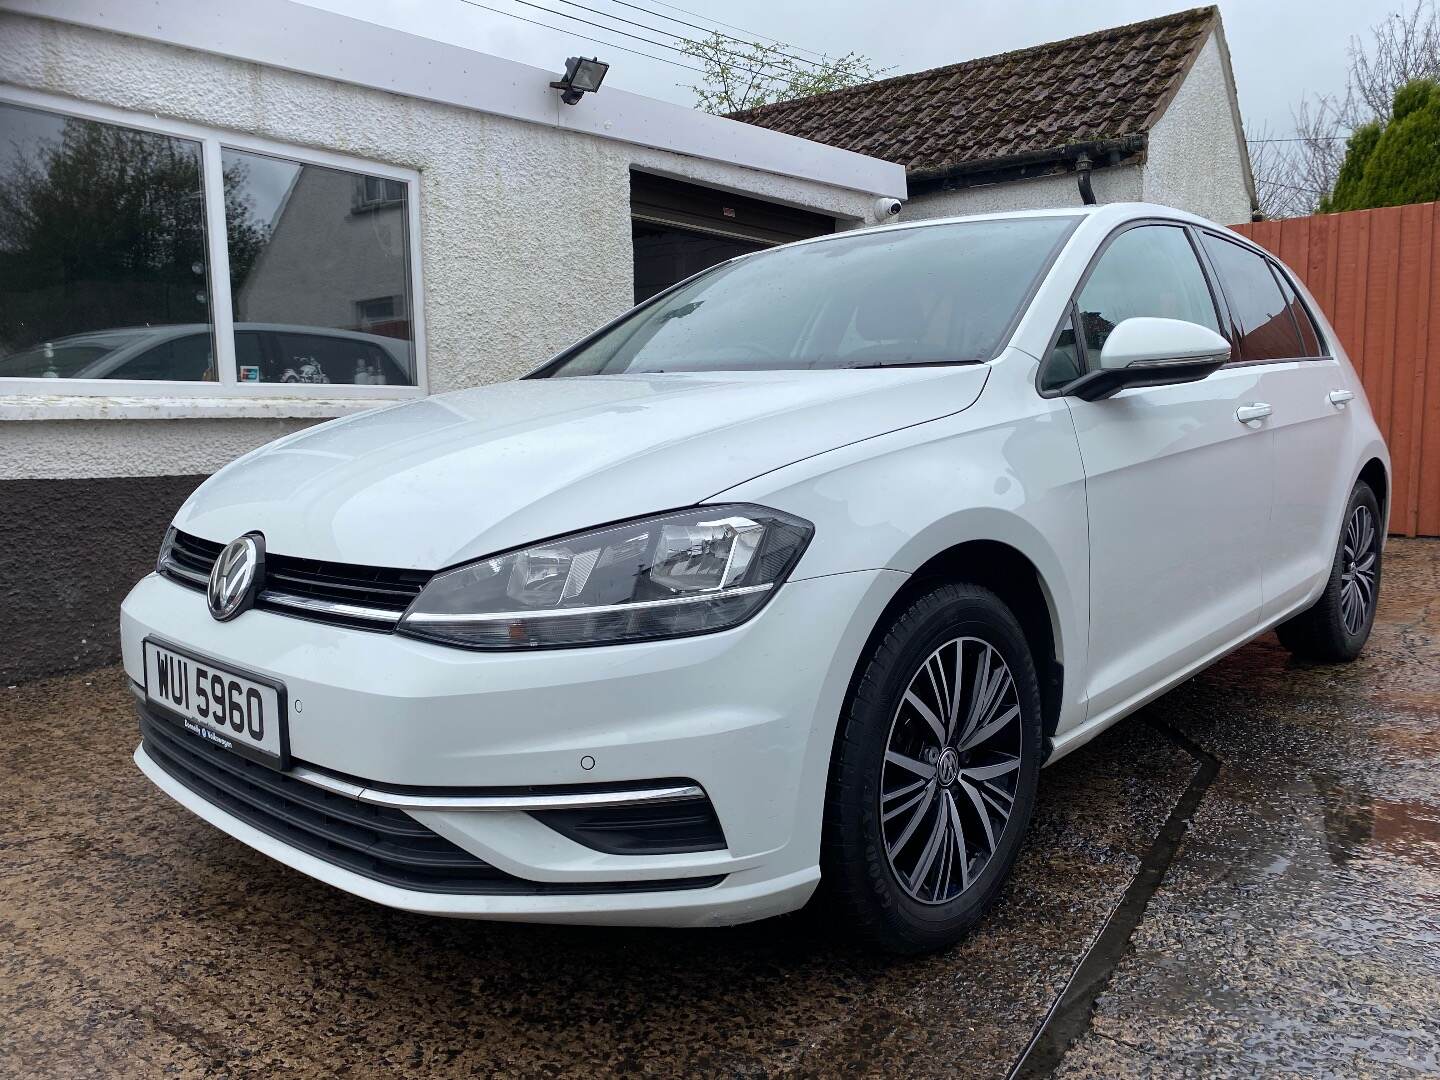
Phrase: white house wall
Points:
(1119, 184)
(1196, 157)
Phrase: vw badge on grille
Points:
(236, 575)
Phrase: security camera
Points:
(886, 208)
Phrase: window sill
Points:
(80, 407)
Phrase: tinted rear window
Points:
(1265, 328)
(935, 294)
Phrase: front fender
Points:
(897, 501)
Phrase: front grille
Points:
(346, 594)
(194, 554)
(377, 842)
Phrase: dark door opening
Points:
(665, 255)
(680, 229)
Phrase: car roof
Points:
(1108, 214)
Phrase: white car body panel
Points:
(1163, 532)
(438, 481)
(1179, 505)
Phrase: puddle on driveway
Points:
(1298, 932)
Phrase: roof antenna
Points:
(1082, 178)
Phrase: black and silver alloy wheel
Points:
(934, 773)
(1336, 627)
(1360, 558)
(952, 762)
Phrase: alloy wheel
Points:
(951, 770)
(1360, 557)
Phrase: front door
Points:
(1177, 486)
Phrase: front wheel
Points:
(935, 771)
(1337, 626)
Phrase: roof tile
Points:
(1102, 85)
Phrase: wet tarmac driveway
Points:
(1295, 929)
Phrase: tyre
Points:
(934, 773)
(1336, 627)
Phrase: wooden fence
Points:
(1376, 273)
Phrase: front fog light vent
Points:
(660, 828)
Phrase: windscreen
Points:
(939, 294)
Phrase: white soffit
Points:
(294, 36)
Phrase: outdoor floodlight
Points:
(582, 77)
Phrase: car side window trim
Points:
(1229, 329)
(1072, 309)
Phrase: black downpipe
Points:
(1082, 178)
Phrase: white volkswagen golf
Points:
(792, 577)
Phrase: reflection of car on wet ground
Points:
(264, 352)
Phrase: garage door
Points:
(679, 229)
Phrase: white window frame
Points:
(213, 142)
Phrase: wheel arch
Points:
(1014, 577)
(1375, 474)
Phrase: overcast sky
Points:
(1280, 48)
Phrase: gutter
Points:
(1081, 156)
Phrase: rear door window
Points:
(1309, 332)
(1265, 327)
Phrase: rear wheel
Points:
(935, 771)
(1336, 628)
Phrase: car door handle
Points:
(1339, 398)
(1248, 414)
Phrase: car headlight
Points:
(162, 560)
(690, 572)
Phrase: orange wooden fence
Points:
(1376, 273)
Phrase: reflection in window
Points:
(1150, 271)
(103, 271)
(1266, 330)
(1062, 362)
(1309, 334)
(319, 274)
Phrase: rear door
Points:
(1178, 489)
(1275, 334)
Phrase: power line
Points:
(703, 30)
(1304, 138)
(583, 37)
(1292, 187)
(636, 37)
(728, 26)
(732, 55)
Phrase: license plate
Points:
(239, 713)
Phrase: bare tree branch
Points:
(747, 74)
(1292, 174)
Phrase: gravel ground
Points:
(1296, 932)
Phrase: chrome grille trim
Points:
(292, 584)
(577, 800)
(332, 608)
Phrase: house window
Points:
(144, 257)
(301, 261)
(104, 272)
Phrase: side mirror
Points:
(1151, 352)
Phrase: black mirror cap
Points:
(1107, 382)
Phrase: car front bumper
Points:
(747, 714)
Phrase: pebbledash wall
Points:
(521, 206)
(1194, 159)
